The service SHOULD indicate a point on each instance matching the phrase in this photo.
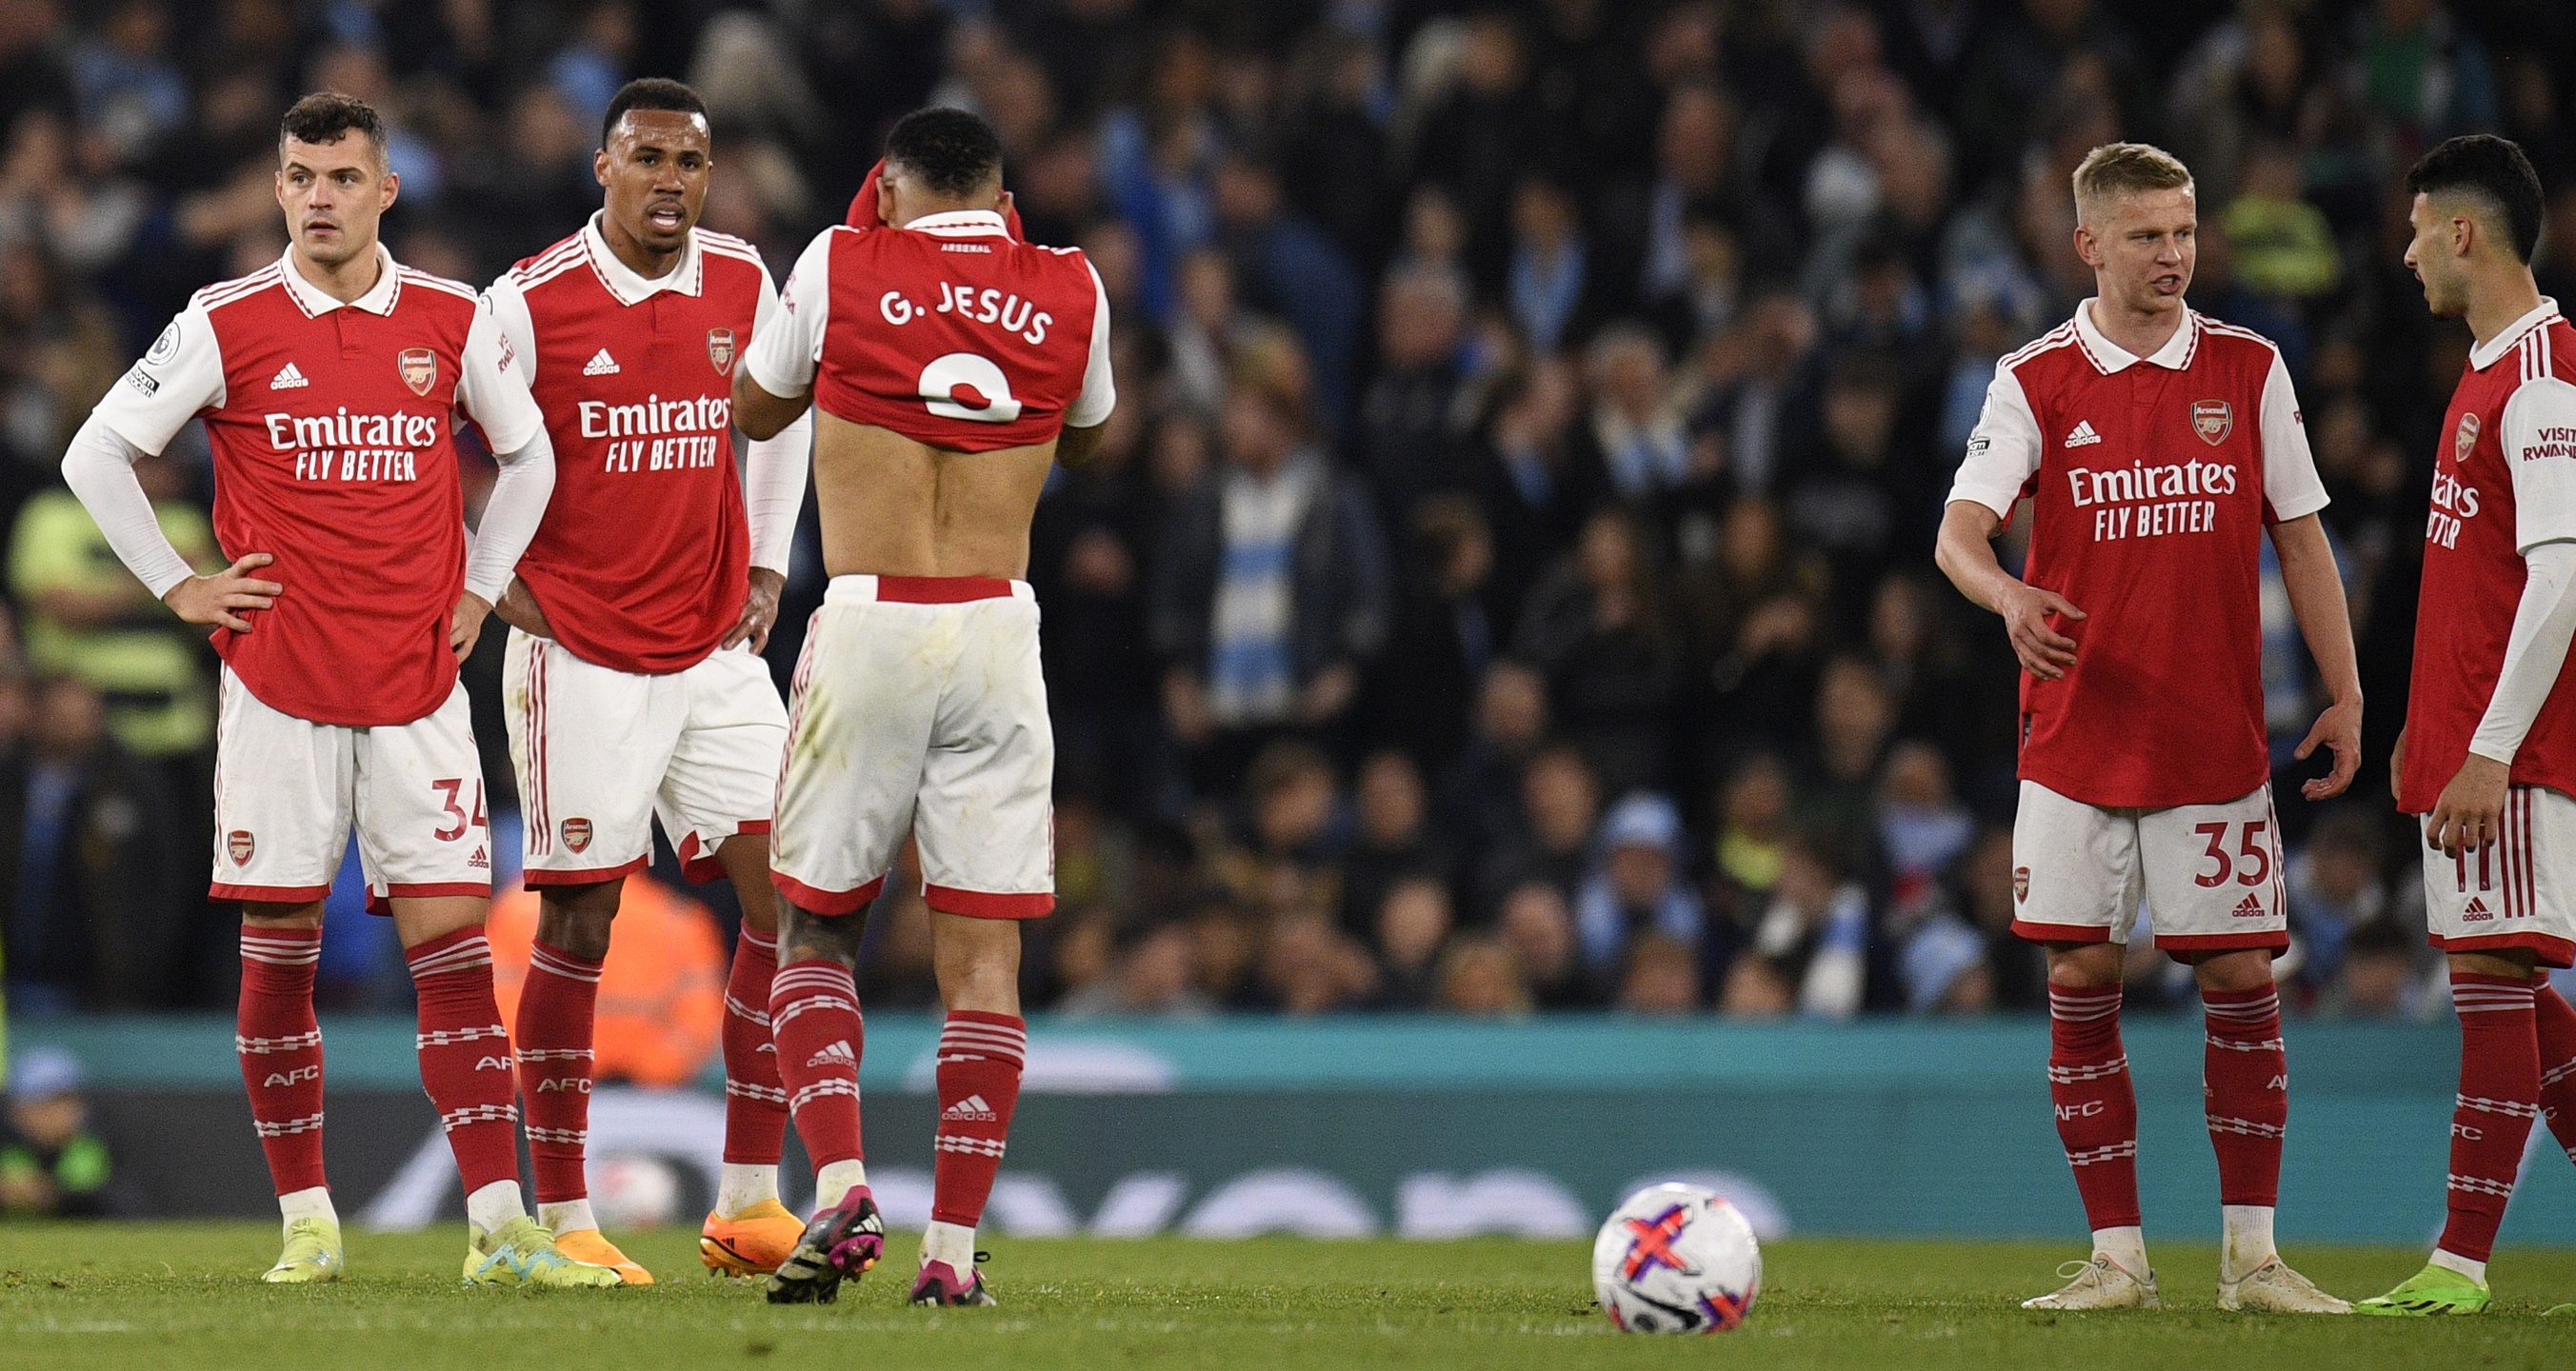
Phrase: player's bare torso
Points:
(892, 506)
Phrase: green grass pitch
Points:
(181, 1296)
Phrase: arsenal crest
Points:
(2021, 885)
(419, 367)
(2213, 420)
(2466, 440)
(720, 350)
(576, 834)
(240, 844)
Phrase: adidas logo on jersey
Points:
(2476, 912)
(971, 1109)
(836, 1054)
(288, 378)
(2081, 437)
(601, 365)
(2248, 908)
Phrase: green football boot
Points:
(312, 1254)
(523, 1252)
(2433, 1290)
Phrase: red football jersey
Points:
(333, 433)
(640, 564)
(2486, 509)
(2151, 481)
(947, 331)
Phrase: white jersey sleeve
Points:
(785, 352)
(2291, 486)
(182, 374)
(774, 468)
(2003, 449)
(518, 327)
(2539, 441)
(490, 390)
(1090, 409)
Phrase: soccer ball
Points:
(631, 1190)
(1676, 1259)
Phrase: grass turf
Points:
(181, 1296)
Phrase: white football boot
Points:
(2273, 1288)
(2099, 1284)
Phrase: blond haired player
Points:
(2157, 448)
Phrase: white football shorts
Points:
(600, 753)
(288, 791)
(2210, 875)
(2511, 893)
(918, 706)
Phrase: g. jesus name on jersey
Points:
(2151, 481)
(642, 561)
(947, 331)
(334, 453)
(2504, 481)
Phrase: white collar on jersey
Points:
(621, 280)
(962, 223)
(2112, 359)
(313, 300)
(2492, 351)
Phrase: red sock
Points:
(2245, 1079)
(280, 1046)
(465, 1055)
(557, 1009)
(2499, 1097)
(2097, 1109)
(2555, 1023)
(980, 1056)
(814, 1018)
(755, 1103)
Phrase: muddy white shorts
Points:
(918, 707)
(600, 753)
(2511, 893)
(2210, 875)
(288, 792)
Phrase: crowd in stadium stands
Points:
(1506, 582)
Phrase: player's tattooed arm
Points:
(804, 936)
(1966, 554)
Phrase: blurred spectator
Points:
(52, 1164)
(1596, 627)
(89, 618)
(2385, 976)
(1479, 978)
(1392, 842)
(1271, 592)
(2335, 889)
(1308, 966)
(1991, 888)
(98, 916)
(1413, 922)
(1446, 632)
(1402, 437)
(1807, 954)
(2283, 245)
(1155, 974)
(1550, 278)
(1662, 977)
(1480, 790)
(1533, 466)
(1922, 829)
(1537, 930)
(1552, 842)
(1634, 422)
(1637, 887)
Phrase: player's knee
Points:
(577, 919)
(2240, 969)
(265, 915)
(2084, 966)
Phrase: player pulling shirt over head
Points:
(952, 365)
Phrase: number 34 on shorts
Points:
(2208, 876)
